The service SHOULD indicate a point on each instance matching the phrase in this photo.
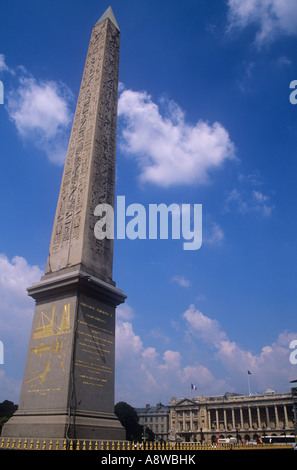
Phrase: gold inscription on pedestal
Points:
(48, 327)
(51, 337)
(95, 345)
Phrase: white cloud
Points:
(168, 150)
(3, 66)
(41, 113)
(143, 374)
(125, 312)
(262, 203)
(16, 314)
(181, 281)
(10, 387)
(270, 368)
(206, 328)
(272, 17)
(16, 307)
(128, 344)
(216, 235)
(245, 201)
(283, 61)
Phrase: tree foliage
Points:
(129, 420)
(7, 408)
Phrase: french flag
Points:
(193, 387)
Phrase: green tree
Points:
(129, 420)
(7, 408)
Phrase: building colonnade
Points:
(206, 418)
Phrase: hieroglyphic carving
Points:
(89, 172)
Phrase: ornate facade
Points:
(204, 419)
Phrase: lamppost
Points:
(144, 435)
(201, 436)
(237, 433)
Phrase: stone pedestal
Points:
(68, 384)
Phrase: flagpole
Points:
(249, 382)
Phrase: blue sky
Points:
(204, 118)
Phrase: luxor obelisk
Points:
(68, 383)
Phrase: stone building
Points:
(155, 418)
(204, 419)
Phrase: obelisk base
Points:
(61, 426)
(68, 384)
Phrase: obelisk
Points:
(68, 383)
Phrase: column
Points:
(217, 419)
(286, 416)
(250, 417)
(225, 418)
(276, 417)
(267, 417)
(241, 418)
(209, 420)
(233, 418)
(258, 417)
